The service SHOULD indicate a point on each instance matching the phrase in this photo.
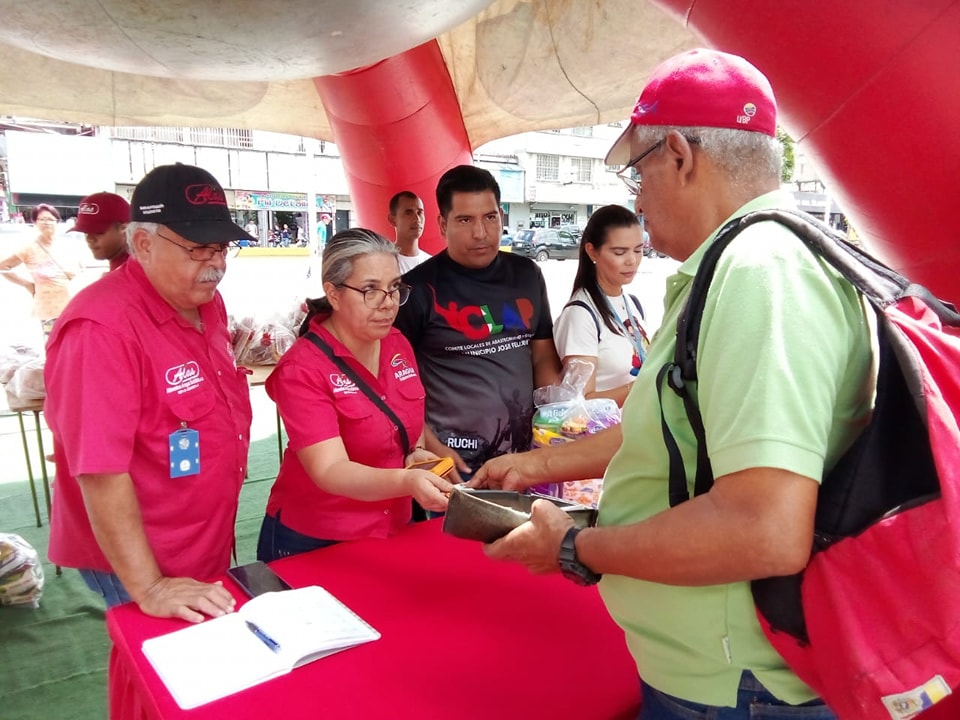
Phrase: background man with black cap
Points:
(103, 218)
(149, 412)
(785, 383)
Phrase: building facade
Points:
(551, 178)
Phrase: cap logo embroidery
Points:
(646, 109)
(205, 195)
(89, 209)
(749, 110)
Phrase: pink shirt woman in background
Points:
(50, 268)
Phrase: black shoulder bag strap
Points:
(879, 284)
(593, 315)
(366, 389)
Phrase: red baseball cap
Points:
(702, 88)
(100, 211)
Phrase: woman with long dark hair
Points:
(603, 323)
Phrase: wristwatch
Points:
(571, 568)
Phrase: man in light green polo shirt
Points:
(785, 383)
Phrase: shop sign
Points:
(297, 202)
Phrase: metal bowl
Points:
(487, 515)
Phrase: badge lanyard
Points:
(633, 332)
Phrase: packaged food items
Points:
(21, 574)
(563, 414)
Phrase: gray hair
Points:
(346, 246)
(131, 230)
(338, 257)
(745, 156)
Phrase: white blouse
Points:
(575, 333)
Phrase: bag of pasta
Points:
(563, 415)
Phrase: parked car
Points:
(543, 244)
(574, 230)
(506, 243)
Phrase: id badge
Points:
(184, 452)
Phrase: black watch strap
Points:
(570, 565)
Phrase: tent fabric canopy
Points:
(516, 65)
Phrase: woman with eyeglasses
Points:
(603, 323)
(350, 396)
(50, 268)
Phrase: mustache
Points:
(211, 275)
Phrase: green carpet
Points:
(53, 660)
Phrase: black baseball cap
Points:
(189, 201)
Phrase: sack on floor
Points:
(21, 574)
(873, 622)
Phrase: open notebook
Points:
(269, 636)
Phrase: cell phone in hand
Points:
(257, 578)
(438, 466)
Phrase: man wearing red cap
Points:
(150, 414)
(785, 383)
(103, 219)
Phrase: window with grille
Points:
(548, 167)
(582, 170)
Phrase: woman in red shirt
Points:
(344, 474)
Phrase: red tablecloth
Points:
(462, 637)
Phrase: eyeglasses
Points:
(46, 220)
(203, 253)
(634, 182)
(375, 297)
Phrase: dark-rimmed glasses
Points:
(634, 182)
(203, 253)
(375, 297)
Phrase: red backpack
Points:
(873, 622)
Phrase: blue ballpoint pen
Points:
(264, 638)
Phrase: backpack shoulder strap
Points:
(636, 302)
(881, 285)
(593, 314)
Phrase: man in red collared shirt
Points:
(149, 413)
(103, 218)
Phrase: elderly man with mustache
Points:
(150, 413)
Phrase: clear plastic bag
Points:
(12, 357)
(263, 341)
(21, 573)
(26, 386)
(563, 414)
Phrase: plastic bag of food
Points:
(563, 414)
(21, 574)
(12, 357)
(267, 344)
(26, 386)
(263, 340)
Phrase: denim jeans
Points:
(106, 585)
(754, 702)
(277, 540)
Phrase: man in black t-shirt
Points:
(480, 324)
